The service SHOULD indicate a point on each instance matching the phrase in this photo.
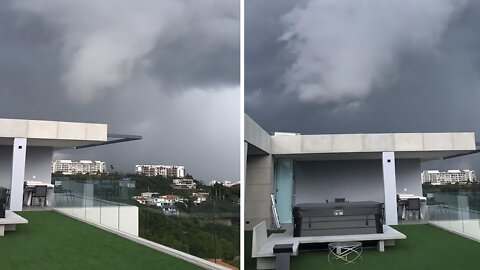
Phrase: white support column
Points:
(390, 188)
(18, 173)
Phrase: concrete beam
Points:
(373, 143)
(52, 130)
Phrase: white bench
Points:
(262, 246)
(9, 223)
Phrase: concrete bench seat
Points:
(262, 245)
(9, 223)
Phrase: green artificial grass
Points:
(426, 247)
(52, 241)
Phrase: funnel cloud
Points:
(345, 50)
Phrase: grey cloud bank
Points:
(166, 70)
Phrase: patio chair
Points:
(39, 192)
(413, 204)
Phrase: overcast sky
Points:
(167, 70)
(353, 66)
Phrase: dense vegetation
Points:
(199, 237)
(199, 229)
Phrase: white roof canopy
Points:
(423, 146)
(52, 133)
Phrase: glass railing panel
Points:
(443, 215)
(457, 211)
(462, 207)
(77, 207)
(434, 213)
(93, 210)
(67, 203)
(469, 191)
(455, 219)
(471, 223)
(438, 208)
(59, 199)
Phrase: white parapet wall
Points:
(126, 223)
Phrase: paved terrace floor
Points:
(426, 247)
(53, 241)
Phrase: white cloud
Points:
(343, 50)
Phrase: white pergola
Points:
(387, 147)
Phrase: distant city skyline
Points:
(69, 167)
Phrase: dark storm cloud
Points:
(432, 89)
(104, 45)
(172, 79)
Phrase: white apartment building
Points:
(184, 184)
(163, 170)
(436, 177)
(200, 197)
(69, 167)
(154, 198)
(149, 194)
(165, 200)
(226, 183)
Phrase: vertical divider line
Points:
(243, 148)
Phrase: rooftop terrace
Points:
(53, 241)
